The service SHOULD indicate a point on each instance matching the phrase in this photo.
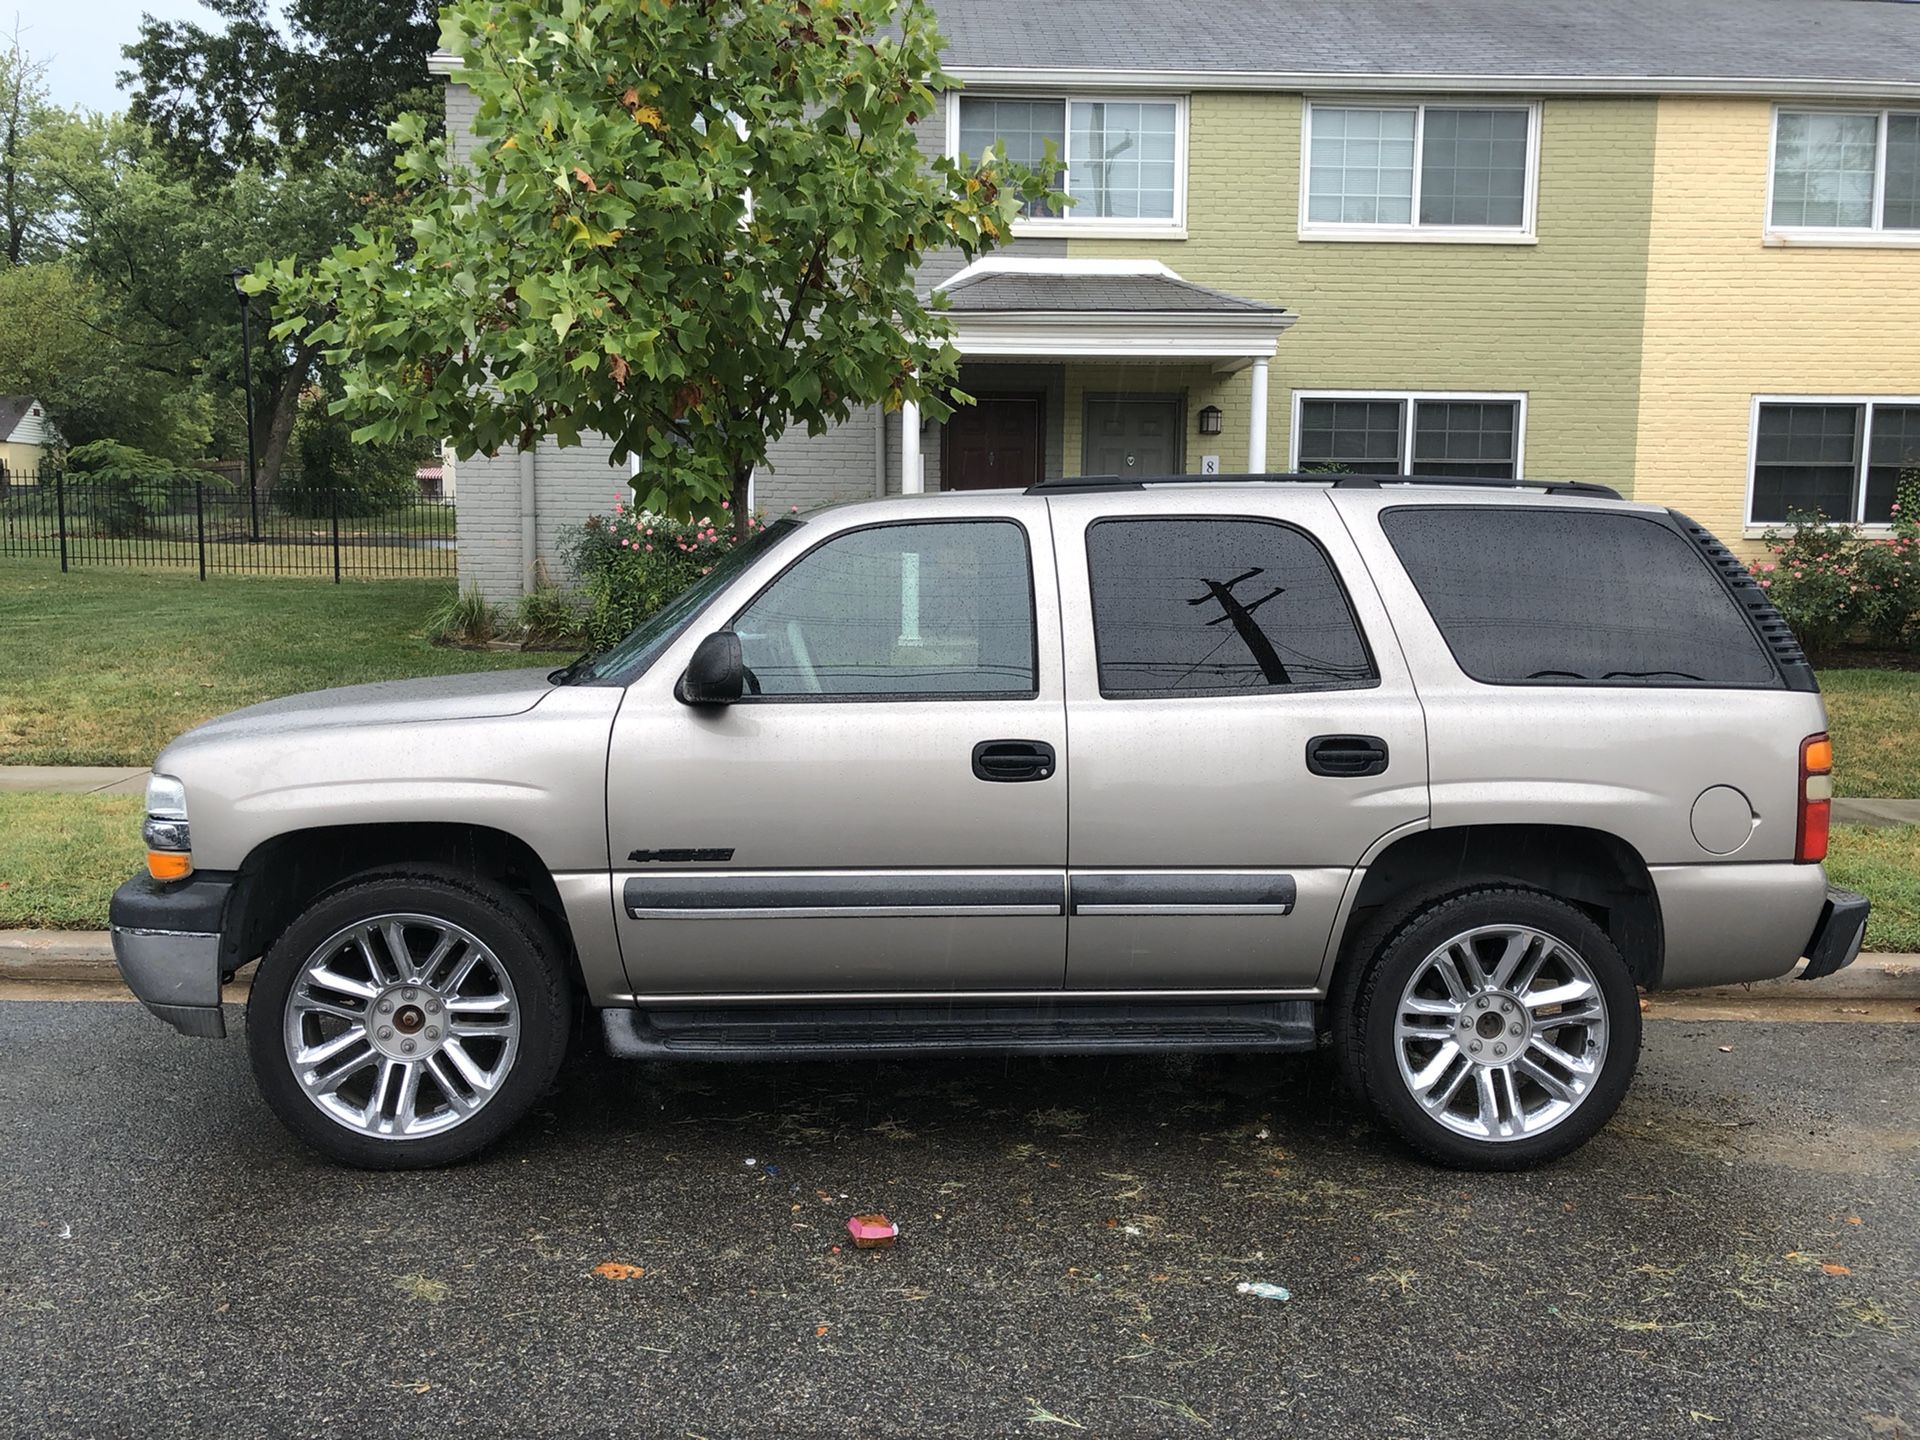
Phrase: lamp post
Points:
(246, 385)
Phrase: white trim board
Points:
(1021, 77)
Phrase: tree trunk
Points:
(283, 405)
(742, 516)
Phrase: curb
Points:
(86, 957)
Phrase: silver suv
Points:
(1438, 773)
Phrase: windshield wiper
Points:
(573, 671)
(1649, 674)
(1556, 675)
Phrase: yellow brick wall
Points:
(1728, 317)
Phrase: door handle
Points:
(1346, 755)
(1013, 760)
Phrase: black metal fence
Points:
(219, 528)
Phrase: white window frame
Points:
(1872, 235)
(1753, 529)
(1411, 398)
(1072, 223)
(1415, 232)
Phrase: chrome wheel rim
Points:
(1501, 1033)
(401, 1026)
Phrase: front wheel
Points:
(1493, 1029)
(408, 1020)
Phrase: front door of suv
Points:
(1244, 732)
(885, 810)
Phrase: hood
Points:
(479, 695)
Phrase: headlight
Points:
(166, 798)
(169, 844)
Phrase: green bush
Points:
(128, 486)
(550, 619)
(1835, 586)
(631, 563)
(331, 469)
(465, 618)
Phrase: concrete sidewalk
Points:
(74, 779)
(86, 957)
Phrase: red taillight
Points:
(1816, 799)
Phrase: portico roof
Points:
(1115, 309)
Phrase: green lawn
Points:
(1883, 864)
(1874, 716)
(103, 667)
(61, 857)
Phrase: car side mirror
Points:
(716, 675)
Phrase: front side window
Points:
(1846, 170)
(1458, 436)
(1418, 167)
(922, 610)
(1548, 595)
(1840, 459)
(1218, 607)
(1119, 158)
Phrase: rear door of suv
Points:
(1244, 732)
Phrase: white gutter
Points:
(1020, 77)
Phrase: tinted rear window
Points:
(1553, 596)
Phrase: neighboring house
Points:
(1670, 248)
(26, 436)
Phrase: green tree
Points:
(23, 111)
(281, 88)
(155, 247)
(60, 344)
(688, 225)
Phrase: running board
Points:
(770, 1032)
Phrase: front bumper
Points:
(1839, 934)
(167, 940)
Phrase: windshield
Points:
(630, 658)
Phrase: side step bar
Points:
(781, 1032)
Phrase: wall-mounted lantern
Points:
(1210, 418)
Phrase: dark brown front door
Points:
(993, 444)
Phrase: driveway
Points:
(1738, 1255)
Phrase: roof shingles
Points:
(1860, 40)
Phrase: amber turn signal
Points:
(169, 865)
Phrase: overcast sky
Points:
(79, 42)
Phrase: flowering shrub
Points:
(1835, 586)
(630, 563)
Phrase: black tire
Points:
(503, 923)
(1363, 1012)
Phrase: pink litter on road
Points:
(872, 1232)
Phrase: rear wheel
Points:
(408, 1020)
(1492, 1029)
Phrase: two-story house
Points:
(1670, 248)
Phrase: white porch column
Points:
(912, 481)
(1257, 420)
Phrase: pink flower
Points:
(649, 549)
(793, 509)
(1766, 584)
(728, 505)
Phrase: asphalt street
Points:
(1738, 1255)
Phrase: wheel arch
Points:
(1597, 871)
(284, 875)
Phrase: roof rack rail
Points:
(1093, 484)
